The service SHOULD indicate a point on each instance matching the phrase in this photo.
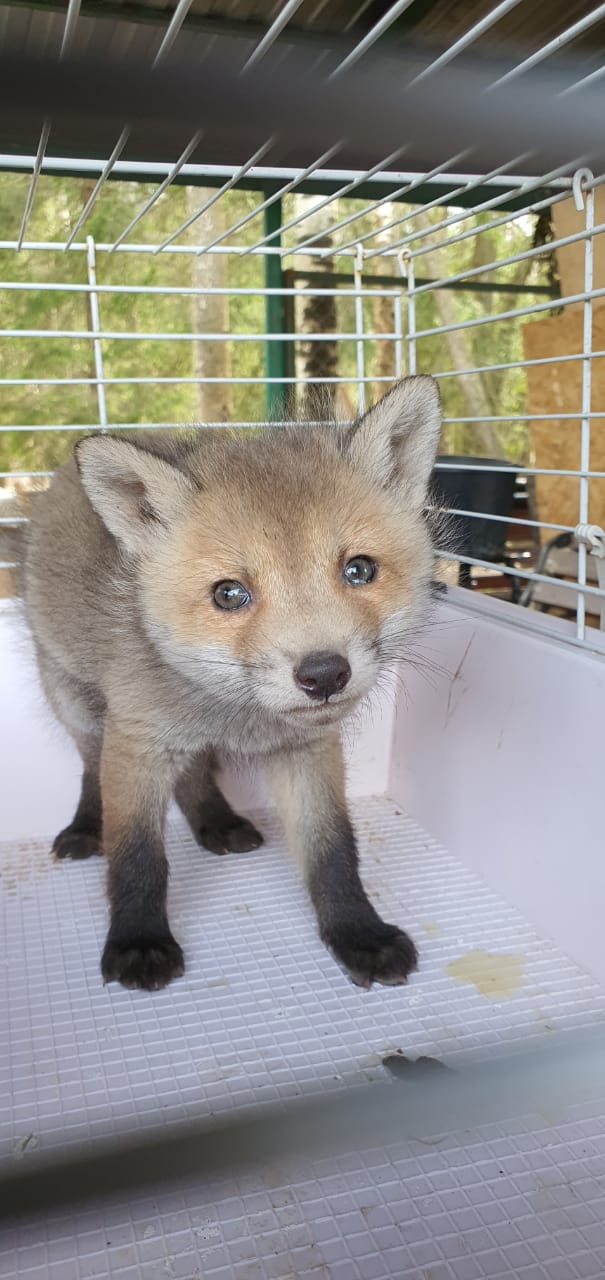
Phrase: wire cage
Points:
(127, 356)
(141, 290)
(361, 267)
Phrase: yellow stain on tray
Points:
(493, 974)
(431, 929)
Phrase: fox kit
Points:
(192, 596)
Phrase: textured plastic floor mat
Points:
(263, 1014)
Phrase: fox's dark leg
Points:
(80, 709)
(213, 822)
(82, 837)
(136, 785)
(308, 786)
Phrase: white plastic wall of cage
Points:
(133, 306)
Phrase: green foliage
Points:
(75, 408)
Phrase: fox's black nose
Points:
(322, 674)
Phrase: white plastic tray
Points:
(264, 1014)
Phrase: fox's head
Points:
(286, 569)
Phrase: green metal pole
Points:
(275, 352)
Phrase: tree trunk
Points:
(383, 309)
(478, 404)
(320, 359)
(384, 360)
(481, 391)
(210, 314)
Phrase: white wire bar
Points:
(25, 475)
(337, 195)
(448, 198)
(260, 379)
(95, 323)
(524, 256)
(270, 36)
(586, 80)
(535, 207)
(173, 30)
(411, 333)
(462, 215)
(163, 426)
(71, 18)
(272, 199)
(372, 36)
(473, 232)
(315, 13)
(155, 195)
(174, 27)
(511, 571)
(108, 247)
(182, 336)
(100, 183)
(465, 41)
(586, 404)
(491, 468)
(59, 286)
(411, 184)
(514, 520)
(207, 204)
(252, 380)
(504, 469)
(143, 169)
(357, 14)
(513, 364)
(44, 136)
(529, 417)
(553, 46)
(497, 316)
(159, 380)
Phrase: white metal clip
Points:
(593, 537)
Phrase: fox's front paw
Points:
(149, 963)
(72, 843)
(372, 951)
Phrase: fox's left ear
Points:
(136, 493)
(396, 441)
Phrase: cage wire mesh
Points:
(132, 306)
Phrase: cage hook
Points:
(580, 177)
(404, 257)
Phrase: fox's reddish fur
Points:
(154, 681)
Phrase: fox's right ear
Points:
(396, 440)
(136, 494)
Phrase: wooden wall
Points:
(557, 388)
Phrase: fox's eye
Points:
(359, 571)
(230, 595)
